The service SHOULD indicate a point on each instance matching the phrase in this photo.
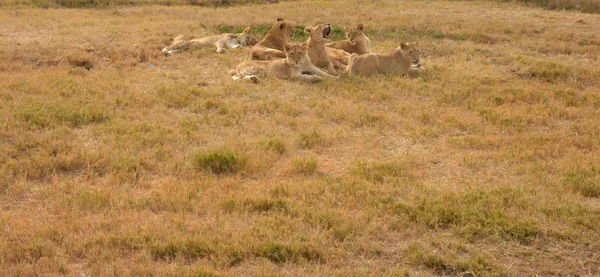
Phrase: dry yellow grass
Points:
(116, 160)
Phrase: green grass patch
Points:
(267, 205)
(276, 145)
(310, 140)
(91, 200)
(261, 205)
(220, 162)
(585, 181)
(379, 172)
(473, 265)
(189, 249)
(283, 253)
(187, 96)
(71, 115)
(549, 71)
(474, 215)
(306, 166)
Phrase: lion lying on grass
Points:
(292, 67)
(272, 46)
(400, 61)
(222, 42)
(356, 41)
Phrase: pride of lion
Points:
(311, 61)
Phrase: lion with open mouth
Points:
(321, 56)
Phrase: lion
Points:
(293, 67)
(222, 42)
(400, 61)
(355, 42)
(320, 56)
(271, 47)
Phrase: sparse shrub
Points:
(306, 166)
(127, 168)
(234, 257)
(257, 205)
(475, 265)
(88, 200)
(220, 162)
(310, 140)
(369, 119)
(281, 253)
(342, 233)
(498, 100)
(267, 205)
(4, 182)
(378, 172)
(179, 97)
(311, 254)
(276, 145)
(277, 253)
(584, 181)
(189, 249)
(229, 205)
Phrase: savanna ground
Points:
(116, 160)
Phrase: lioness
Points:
(292, 67)
(320, 56)
(400, 61)
(271, 47)
(222, 42)
(355, 42)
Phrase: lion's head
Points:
(319, 33)
(246, 38)
(282, 29)
(355, 34)
(295, 54)
(412, 52)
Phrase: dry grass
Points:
(588, 6)
(114, 3)
(116, 160)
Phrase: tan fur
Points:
(291, 68)
(398, 62)
(338, 57)
(272, 46)
(318, 53)
(356, 41)
(222, 42)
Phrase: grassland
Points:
(589, 6)
(118, 161)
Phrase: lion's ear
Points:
(281, 26)
(308, 30)
(247, 30)
(286, 47)
(279, 19)
(347, 30)
(403, 45)
(303, 46)
(360, 27)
